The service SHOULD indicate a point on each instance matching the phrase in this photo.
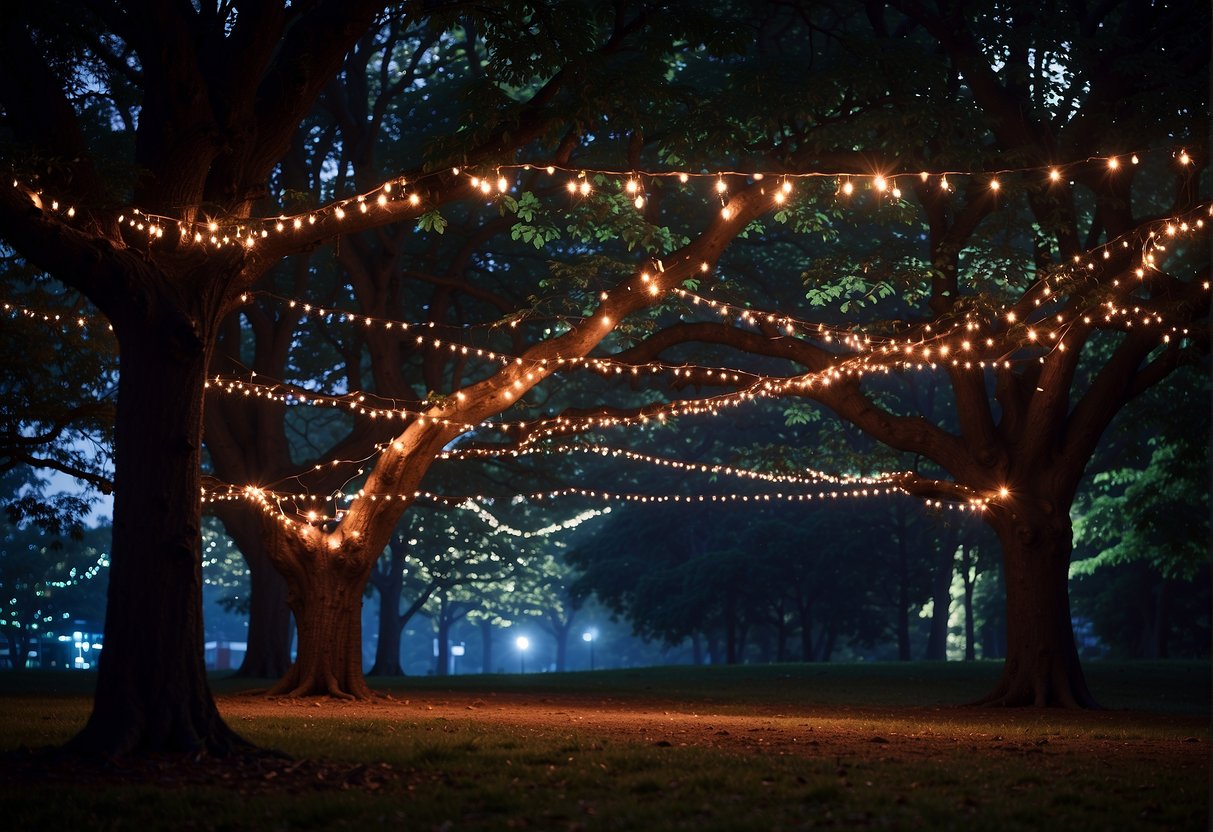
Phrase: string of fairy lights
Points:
(808, 477)
(918, 346)
(925, 351)
(580, 182)
(310, 507)
(872, 352)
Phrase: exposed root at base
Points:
(1034, 693)
(292, 686)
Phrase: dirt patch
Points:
(850, 735)
(817, 731)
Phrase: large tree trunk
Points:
(325, 594)
(269, 618)
(152, 692)
(1042, 666)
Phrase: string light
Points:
(246, 232)
(811, 477)
(271, 501)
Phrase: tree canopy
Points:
(592, 220)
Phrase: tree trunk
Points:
(560, 631)
(152, 692)
(828, 638)
(807, 654)
(941, 597)
(486, 645)
(387, 648)
(325, 595)
(1162, 619)
(970, 579)
(390, 585)
(442, 664)
(269, 618)
(903, 592)
(730, 629)
(16, 648)
(1042, 666)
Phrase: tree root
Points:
(295, 686)
(1039, 690)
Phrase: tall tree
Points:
(1106, 296)
(221, 89)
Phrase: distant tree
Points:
(1142, 528)
(47, 578)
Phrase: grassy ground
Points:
(773, 747)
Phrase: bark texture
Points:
(324, 591)
(152, 693)
(1042, 666)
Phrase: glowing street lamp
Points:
(588, 637)
(523, 644)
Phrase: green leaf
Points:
(432, 221)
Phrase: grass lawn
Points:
(756, 747)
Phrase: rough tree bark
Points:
(203, 138)
(366, 527)
(1042, 666)
(324, 591)
(152, 693)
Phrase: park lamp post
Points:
(588, 637)
(522, 643)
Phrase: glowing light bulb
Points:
(1054, 175)
(848, 188)
(880, 184)
(1113, 163)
